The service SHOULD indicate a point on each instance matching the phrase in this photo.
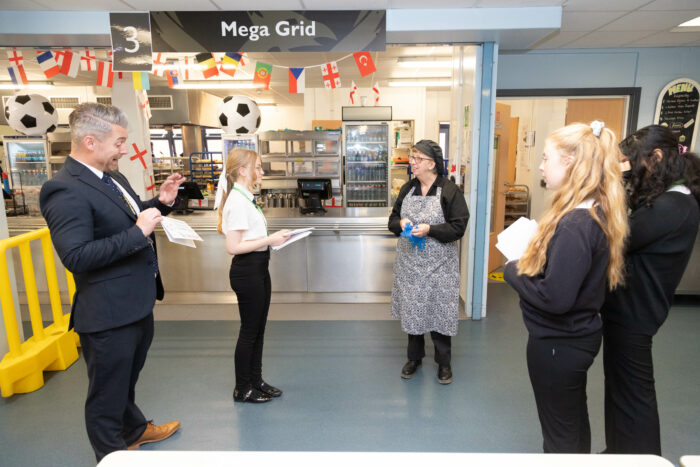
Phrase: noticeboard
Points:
(677, 108)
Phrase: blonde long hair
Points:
(594, 174)
(237, 158)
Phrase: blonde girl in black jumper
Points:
(664, 189)
(561, 278)
(245, 227)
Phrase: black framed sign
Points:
(677, 108)
(268, 31)
(131, 41)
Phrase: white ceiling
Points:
(585, 23)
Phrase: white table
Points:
(690, 461)
(370, 459)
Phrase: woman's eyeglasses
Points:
(416, 159)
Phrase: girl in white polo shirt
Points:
(245, 227)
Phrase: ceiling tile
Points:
(587, 20)
(342, 5)
(158, 5)
(651, 20)
(405, 4)
(668, 39)
(671, 5)
(603, 5)
(559, 39)
(607, 39)
(515, 3)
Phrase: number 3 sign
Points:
(131, 41)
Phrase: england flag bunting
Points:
(68, 62)
(375, 92)
(16, 68)
(47, 63)
(158, 62)
(189, 69)
(353, 93)
(331, 77)
(87, 59)
(144, 104)
(105, 76)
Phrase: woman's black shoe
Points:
(269, 390)
(444, 374)
(410, 368)
(251, 395)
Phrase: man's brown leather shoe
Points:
(155, 433)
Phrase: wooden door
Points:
(608, 110)
(500, 166)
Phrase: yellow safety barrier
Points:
(50, 348)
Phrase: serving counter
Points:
(349, 257)
(349, 251)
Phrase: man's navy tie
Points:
(152, 252)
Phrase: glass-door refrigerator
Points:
(28, 165)
(367, 150)
(233, 140)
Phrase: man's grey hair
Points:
(94, 119)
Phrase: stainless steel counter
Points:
(350, 252)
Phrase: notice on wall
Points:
(677, 108)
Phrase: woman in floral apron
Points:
(425, 295)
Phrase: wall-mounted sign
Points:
(677, 108)
(268, 31)
(131, 41)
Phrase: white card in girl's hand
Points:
(513, 241)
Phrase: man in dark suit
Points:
(103, 234)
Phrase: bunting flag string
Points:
(69, 61)
(16, 68)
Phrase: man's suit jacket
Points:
(96, 237)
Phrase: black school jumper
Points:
(560, 308)
(661, 241)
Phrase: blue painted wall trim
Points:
(481, 218)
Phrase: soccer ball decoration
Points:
(239, 114)
(31, 114)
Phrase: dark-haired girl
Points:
(664, 193)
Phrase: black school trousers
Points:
(631, 413)
(250, 280)
(558, 369)
(114, 359)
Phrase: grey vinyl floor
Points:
(342, 388)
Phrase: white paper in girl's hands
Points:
(513, 241)
(294, 235)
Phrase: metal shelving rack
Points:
(289, 155)
(205, 168)
(517, 203)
